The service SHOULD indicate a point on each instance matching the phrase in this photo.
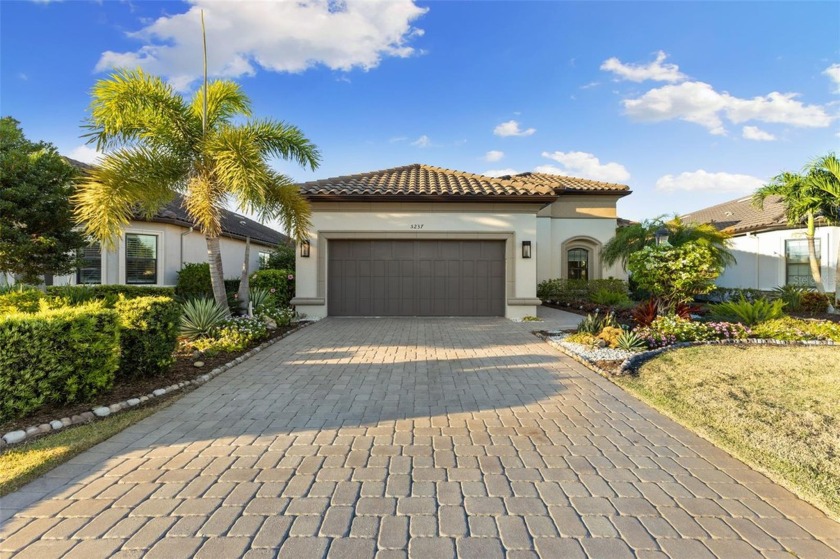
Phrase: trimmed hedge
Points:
(148, 334)
(22, 300)
(561, 290)
(278, 281)
(110, 294)
(57, 356)
(194, 281)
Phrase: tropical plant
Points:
(825, 177)
(645, 312)
(749, 312)
(38, 238)
(594, 323)
(609, 298)
(797, 329)
(610, 335)
(157, 144)
(637, 236)
(814, 302)
(630, 341)
(261, 298)
(282, 258)
(791, 294)
(200, 317)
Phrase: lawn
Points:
(776, 408)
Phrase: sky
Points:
(691, 104)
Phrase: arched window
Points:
(578, 263)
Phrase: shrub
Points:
(667, 330)
(814, 302)
(261, 298)
(674, 274)
(646, 312)
(610, 335)
(57, 356)
(282, 258)
(609, 298)
(791, 295)
(594, 323)
(796, 329)
(194, 281)
(148, 334)
(200, 317)
(561, 290)
(281, 317)
(280, 283)
(630, 341)
(234, 334)
(748, 312)
(582, 338)
(109, 294)
(21, 299)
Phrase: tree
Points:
(157, 144)
(804, 200)
(637, 236)
(282, 258)
(825, 176)
(37, 235)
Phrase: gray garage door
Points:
(416, 278)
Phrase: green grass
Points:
(21, 464)
(775, 408)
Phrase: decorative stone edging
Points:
(585, 362)
(21, 435)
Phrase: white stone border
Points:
(21, 435)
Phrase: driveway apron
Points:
(427, 438)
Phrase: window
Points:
(90, 265)
(578, 263)
(797, 264)
(140, 258)
(264, 256)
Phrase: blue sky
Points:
(689, 103)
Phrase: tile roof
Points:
(232, 226)
(418, 180)
(741, 216)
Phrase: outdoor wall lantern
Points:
(661, 236)
(526, 249)
(304, 249)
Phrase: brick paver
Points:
(409, 438)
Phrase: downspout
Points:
(184, 234)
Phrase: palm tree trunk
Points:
(217, 278)
(812, 254)
(837, 279)
(244, 287)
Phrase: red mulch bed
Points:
(181, 370)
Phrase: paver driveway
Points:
(377, 437)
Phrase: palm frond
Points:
(225, 100)
(204, 200)
(239, 164)
(284, 140)
(285, 203)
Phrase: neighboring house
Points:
(770, 253)
(425, 241)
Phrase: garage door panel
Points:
(416, 278)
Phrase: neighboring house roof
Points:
(425, 182)
(232, 223)
(621, 222)
(742, 216)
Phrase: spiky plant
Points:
(200, 317)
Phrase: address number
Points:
(416, 225)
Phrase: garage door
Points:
(416, 278)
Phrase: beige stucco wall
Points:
(555, 236)
(511, 222)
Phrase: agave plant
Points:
(200, 317)
(594, 323)
(261, 297)
(630, 341)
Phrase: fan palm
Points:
(637, 236)
(157, 145)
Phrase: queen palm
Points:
(825, 177)
(157, 145)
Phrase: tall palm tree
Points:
(637, 236)
(825, 176)
(804, 202)
(157, 145)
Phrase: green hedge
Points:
(278, 280)
(57, 356)
(110, 294)
(194, 283)
(148, 334)
(561, 290)
(22, 300)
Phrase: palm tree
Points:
(825, 176)
(805, 201)
(637, 236)
(156, 144)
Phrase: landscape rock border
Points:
(22, 435)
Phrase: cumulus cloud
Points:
(422, 142)
(277, 36)
(494, 155)
(757, 134)
(701, 104)
(704, 181)
(500, 172)
(85, 154)
(833, 73)
(656, 70)
(583, 165)
(511, 128)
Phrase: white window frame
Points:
(160, 255)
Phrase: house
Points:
(769, 252)
(420, 240)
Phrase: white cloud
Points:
(22, 76)
(704, 181)
(833, 73)
(699, 103)
(583, 165)
(422, 142)
(85, 154)
(278, 36)
(500, 172)
(494, 155)
(656, 70)
(511, 128)
(757, 134)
